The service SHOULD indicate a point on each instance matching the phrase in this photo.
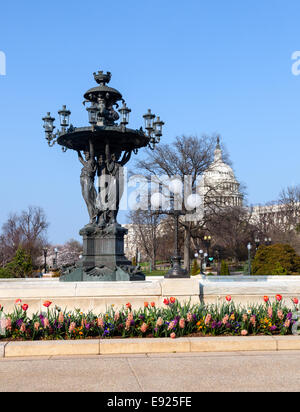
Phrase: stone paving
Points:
(195, 372)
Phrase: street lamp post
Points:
(207, 243)
(218, 262)
(45, 250)
(157, 201)
(201, 260)
(249, 247)
(257, 242)
(55, 259)
(176, 271)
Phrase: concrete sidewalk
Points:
(226, 372)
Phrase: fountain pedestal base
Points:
(103, 257)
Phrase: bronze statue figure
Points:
(87, 178)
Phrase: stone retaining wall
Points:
(97, 296)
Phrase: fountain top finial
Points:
(102, 78)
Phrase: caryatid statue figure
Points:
(87, 179)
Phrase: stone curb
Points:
(144, 346)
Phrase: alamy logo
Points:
(2, 63)
(296, 325)
(2, 324)
(296, 65)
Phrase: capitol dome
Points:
(219, 185)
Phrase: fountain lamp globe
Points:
(175, 186)
(194, 201)
(158, 200)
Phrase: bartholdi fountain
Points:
(103, 149)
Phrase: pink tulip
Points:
(100, 323)
(270, 312)
(127, 324)
(207, 319)
(189, 317)
(8, 323)
(144, 327)
(182, 323)
(280, 314)
(225, 319)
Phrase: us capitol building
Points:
(219, 185)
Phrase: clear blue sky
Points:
(204, 66)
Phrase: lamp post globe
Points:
(249, 247)
(158, 200)
(176, 186)
(193, 201)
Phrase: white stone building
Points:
(219, 185)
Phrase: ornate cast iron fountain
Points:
(103, 149)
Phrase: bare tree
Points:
(147, 233)
(27, 230)
(280, 219)
(231, 230)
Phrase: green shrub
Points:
(195, 268)
(4, 273)
(276, 259)
(21, 265)
(224, 271)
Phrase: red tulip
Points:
(172, 300)
(296, 301)
(278, 297)
(18, 301)
(228, 298)
(166, 301)
(47, 303)
(128, 305)
(153, 304)
(266, 299)
(25, 307)
(146, 304)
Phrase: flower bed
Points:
(173, 320)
